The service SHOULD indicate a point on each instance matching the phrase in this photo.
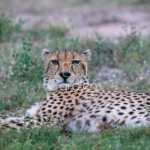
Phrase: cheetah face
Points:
(65, 68)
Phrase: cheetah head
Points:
(65, 68)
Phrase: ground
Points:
(121, 62)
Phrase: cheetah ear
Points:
(45, 53)
(87, 54)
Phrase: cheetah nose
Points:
(65, 75)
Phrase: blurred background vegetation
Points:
(118, 34)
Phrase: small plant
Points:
(7, 27)
(57, 31)
(53, 32)
(84, 1)
(142, 1)
(26, 67)
(132, 54)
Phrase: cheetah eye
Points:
(75, 62)
(55, 62)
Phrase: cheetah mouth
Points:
(63, 85)
(65, 82)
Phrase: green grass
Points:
(43, 138)
(21, 70)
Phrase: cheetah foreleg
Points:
(29, 113)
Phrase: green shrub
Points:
(26, 66)
(56, 31)
(7, 27)
(84, 1)
(53, 32)
(132, 54)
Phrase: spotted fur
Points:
(86, 109)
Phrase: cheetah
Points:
(75, 106)
(62, 68)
